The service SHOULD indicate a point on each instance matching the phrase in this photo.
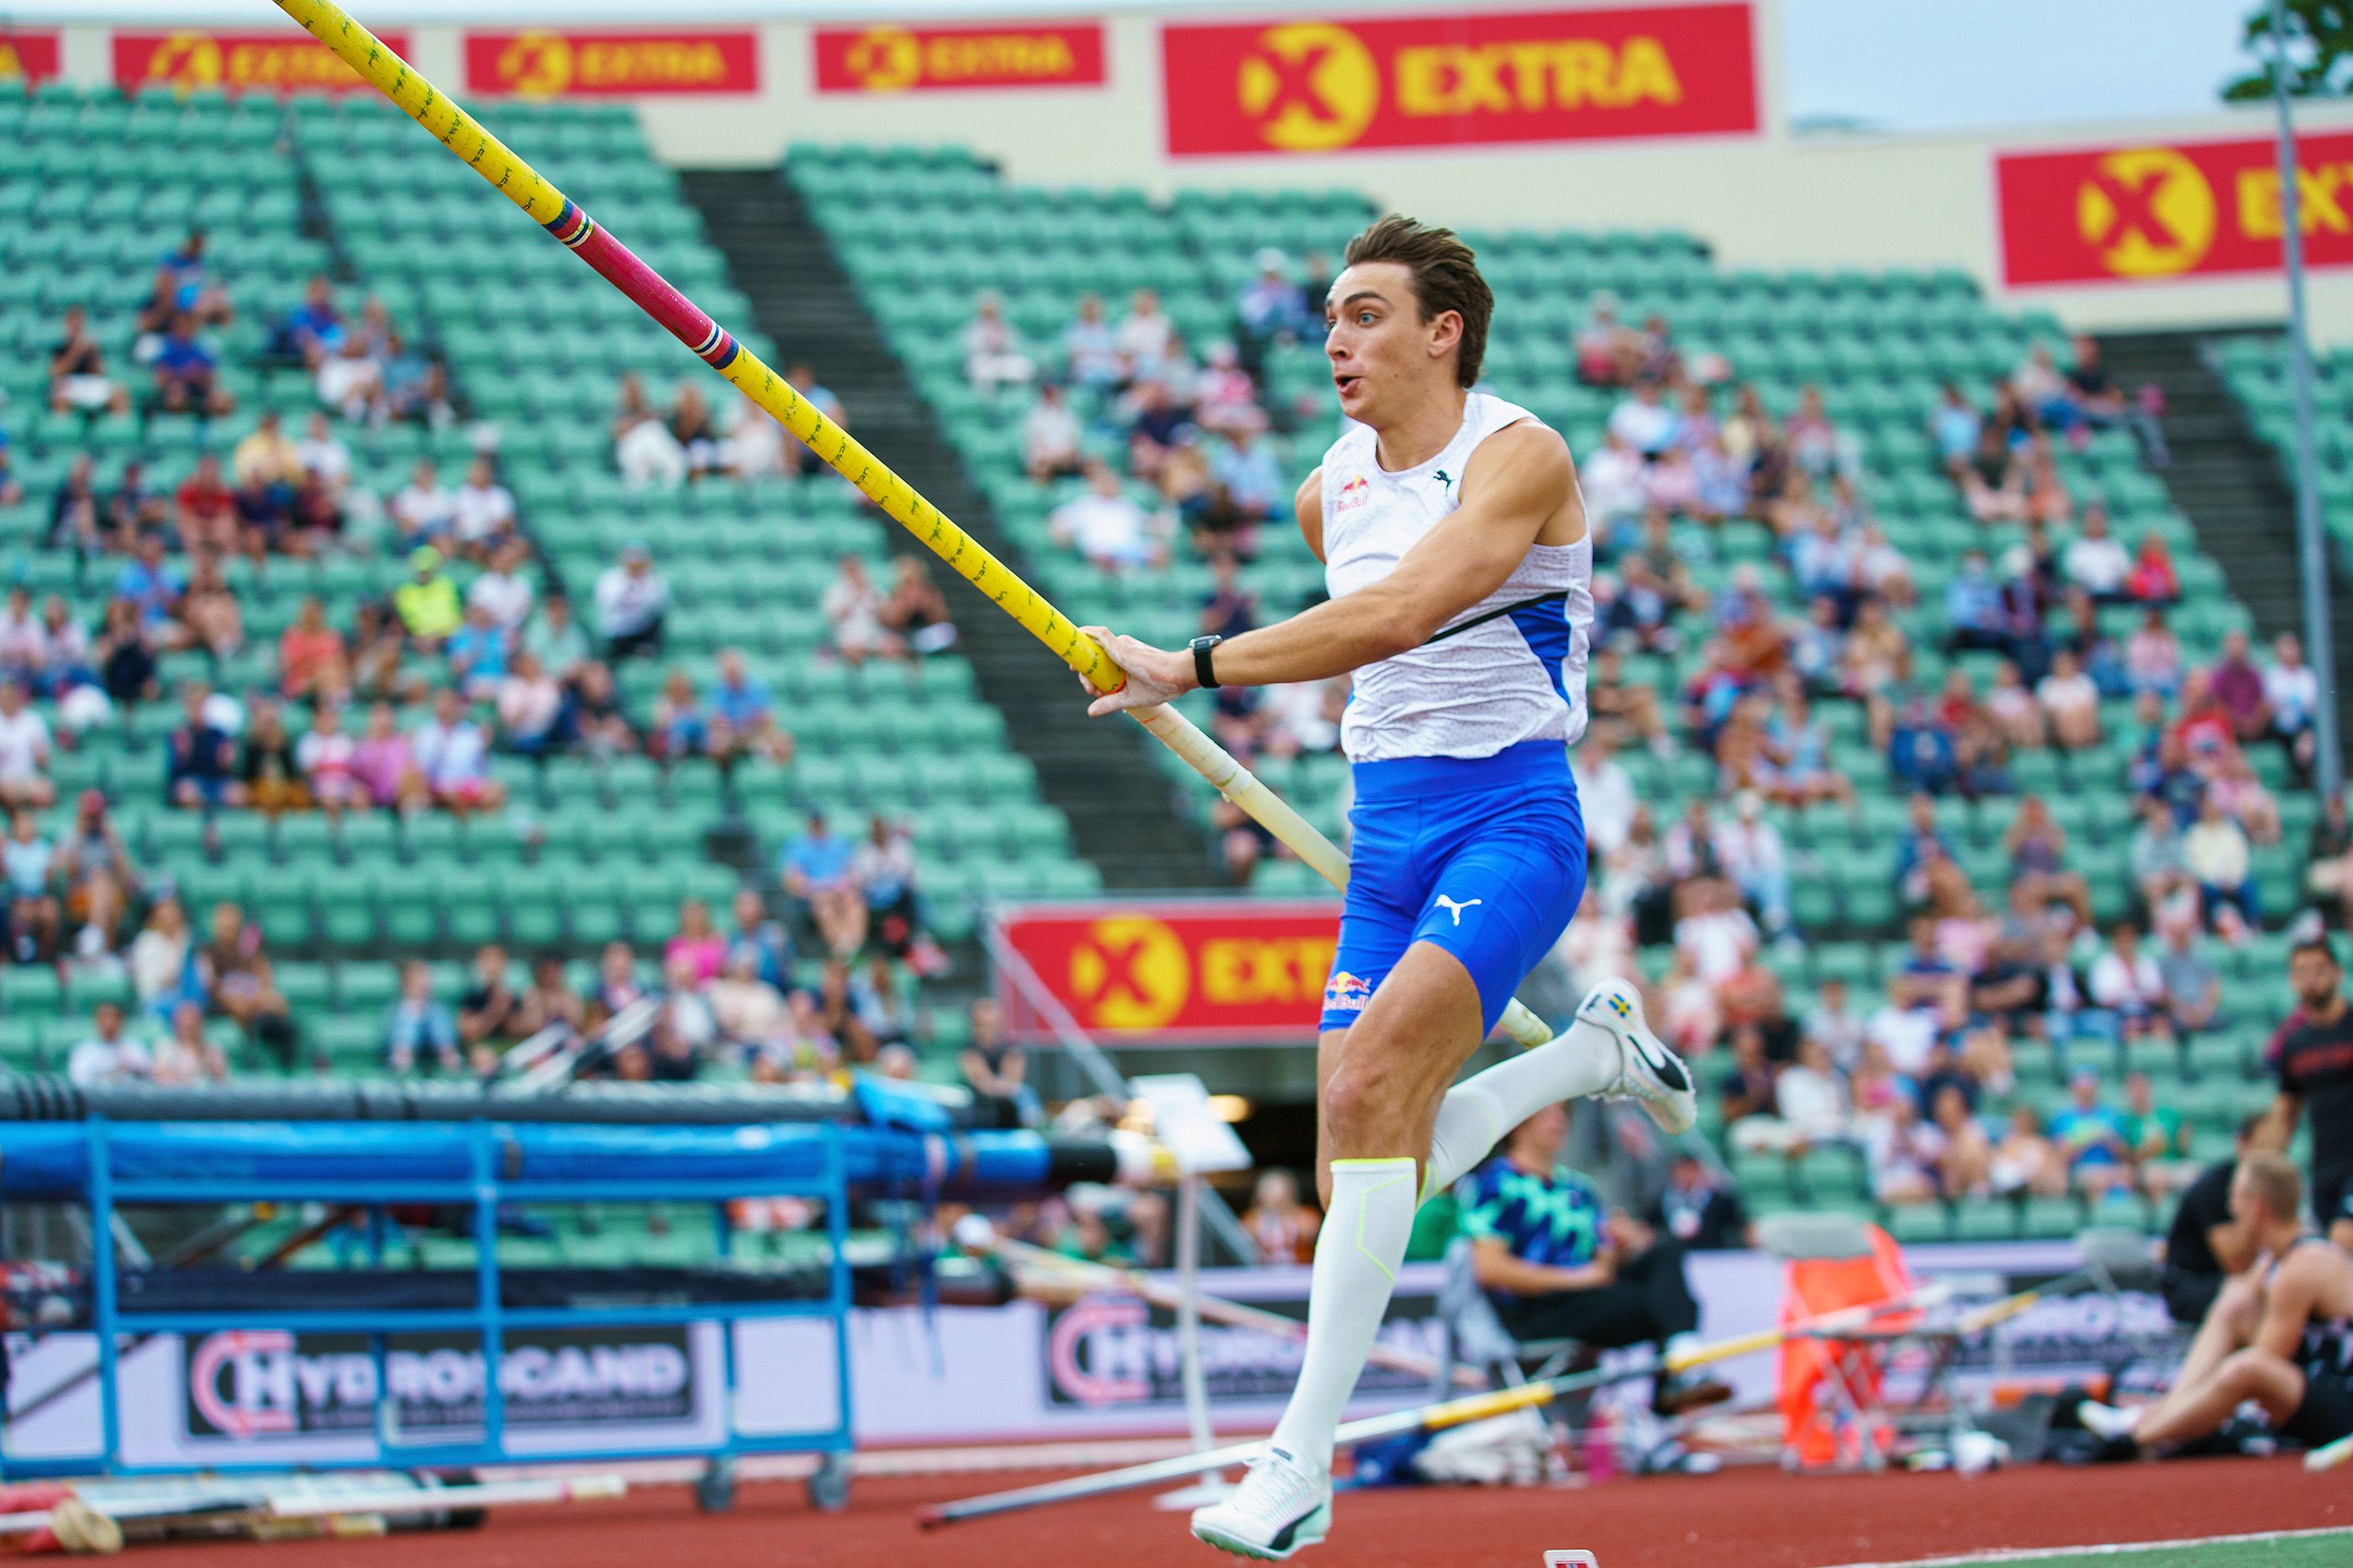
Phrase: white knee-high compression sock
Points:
(1356, 1259)
(1478, 1111)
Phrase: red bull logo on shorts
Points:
(1345, 992)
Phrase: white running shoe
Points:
(1281, 1506)
(2106, 1422)
(1649, 1072)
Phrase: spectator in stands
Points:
(2239, 686)
(915, 611)
(477, 652)
(242, 986)
(2192, 985)
(2096, 561)
(491, 1014)
(594, 717)
(482, 511)
(696, 952)
(996, 1071)
(2128, 982)
(1607, 348)
(311, 329)
(428, 605)
(2292, 692)
(419, 1036)
(742, 717)
(424, 509)
(2070, 703)
(815, 869)
(852, 606)
(1090, 355)
(754, 447)
(1973, 608)
(27, 866)
(1966, 1155)
(109, 1056)
(349, 380)
(2153, 657)
(1993, 480)
(2037, 847)
(188, 280)
(1700, 1208)
(1606, 792)
(2245, 798)
(1271, 309)
(162, 971)
(556, 638)
(24, 647)
(379, 644)
(1145, 337)
(328, 759)
(749, 1011)
(199, 757)
(187, 373)
(210, 621)
(125, 657)
(1750, 850)
(1905, 1156)
(883, 867)
(529, 704)
(691, 426)
(188, 1053)
(644, 450)
(1052, 438)
(1280, 1226)
(2153, 580)
(2089, 1138)
(1810, 1109)
(95, 869)
(416, 387)
(2102, 404)
(76, 512)
(77, 380)
(453, 755)
(803, 381)
(761, 939)
(272, 780)
(993, 357)
(1107, 527)
(2222, 863)
(632, 603)
(204, 509)
(506, 589)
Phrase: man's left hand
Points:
(1155, 675)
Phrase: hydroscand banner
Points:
(2150, 213)
(28, 55)
(542, 64)
(266, 1394)
(234, 59)
(1191, 971)
(1458, 79)
(888, 57)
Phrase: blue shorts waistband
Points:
(1410, 778)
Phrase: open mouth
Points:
(1347, 384)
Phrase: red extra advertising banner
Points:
(2185, 210)
(27, 55)
(238, 60)
(1193, 973)
(540, 64)
(887, 58)
(1459, 78)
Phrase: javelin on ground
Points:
(646, 289)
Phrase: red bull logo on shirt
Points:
(1354, 493)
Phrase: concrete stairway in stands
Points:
(1101, 773)
(2231, 486)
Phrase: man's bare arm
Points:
(2287, 1303)
(1308, 506)
(1513, 484)
(1495, 1267)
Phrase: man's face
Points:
(2314, 976)
(1541, 1135)
(1381, 351)
(2247, 1205)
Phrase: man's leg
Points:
(1381, 1086)
(2229, 1325)
(2193, 1410)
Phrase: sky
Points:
(1928, 65)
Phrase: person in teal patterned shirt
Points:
(1559, 1265)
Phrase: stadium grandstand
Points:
(432, 705)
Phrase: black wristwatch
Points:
(1204, 671)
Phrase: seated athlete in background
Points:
(2281, 1334)
(1558, 1265)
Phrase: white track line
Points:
(2041, 1554)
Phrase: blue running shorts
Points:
(1484, 856)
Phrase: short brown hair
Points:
(1445, 277)
(2274, 1179)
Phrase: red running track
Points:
(1746, 1518)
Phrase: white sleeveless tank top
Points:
(1511, 667)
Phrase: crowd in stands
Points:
(464, 651)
